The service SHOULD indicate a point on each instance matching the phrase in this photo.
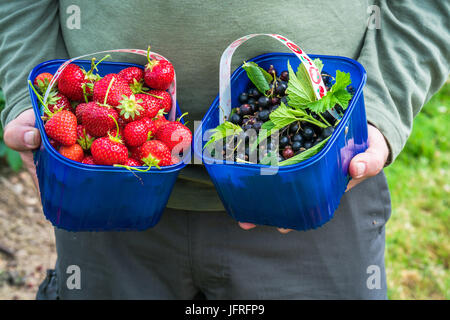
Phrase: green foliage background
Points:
(417, 245)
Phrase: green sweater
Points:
(406, 58)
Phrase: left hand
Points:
(362, 166)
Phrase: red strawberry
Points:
(111, 89)
(88, 160)
(62, 127)
(84, 139)
(134, 76)
(151, 104)
(80, 109)
(109, 151)
(150, 125)
(72, 80)
(133, 163)
(58, 101)
(75, 83)
(74, 152)
(42, 81)
(135, 152)
(136, 133)
(159, 121)
(97, 120)
(159, 74)
(166, 101)
(131, 109)
(175, 134)
(155, 153)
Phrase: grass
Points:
(417, 245)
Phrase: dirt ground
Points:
(27, 243)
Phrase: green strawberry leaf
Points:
(258, 76)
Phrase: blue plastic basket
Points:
(301, 196)
(81, 197)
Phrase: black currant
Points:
(263, 102)
(284, 76)
(287, 152)
(281, 88)
(308, 133)
(235, 118)
(296, 145)
(251, 101)
(328, 131)
(307, 144)
(263, 115)
(243, 97)
(293, 128)
(284, 141)
(245, 109)
(254, 93)
(297, 138)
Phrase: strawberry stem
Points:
(46, 109)
(107, 90)
(116, 138)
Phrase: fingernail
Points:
(29, 139)
(360, 169)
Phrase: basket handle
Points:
(225, 70)
(153, 55)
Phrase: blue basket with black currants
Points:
(278, 139)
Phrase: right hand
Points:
(21, 135)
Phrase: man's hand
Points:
(21, 135)
(362, 166)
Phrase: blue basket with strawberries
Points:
(278, 139)
(113, 141)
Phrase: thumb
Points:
(21, 135)
(370, 162)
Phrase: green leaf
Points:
(319, 64)
(337, 95)
(257, 76)
(300, 91)
(222, 131)
(13, 159)
(305, 154)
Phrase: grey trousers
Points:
(192, 252)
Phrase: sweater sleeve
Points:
(30, 34)
(407, 59)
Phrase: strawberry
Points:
(166, 101)
(131, 109)
(80, 109)
(136, 133)
(42, 81)
(111, 89)
(150, 125)
(88, 160)
(97, 120)
(74, 152)
(133, 163)
(134, 76)
(175, 134)
(84, 139)
(75, 83)
(58, 101)
(62, 127)
(159, 120)
(151, 104)
(155, 153)
(109, 151)
(159, 74)
(135, 152)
